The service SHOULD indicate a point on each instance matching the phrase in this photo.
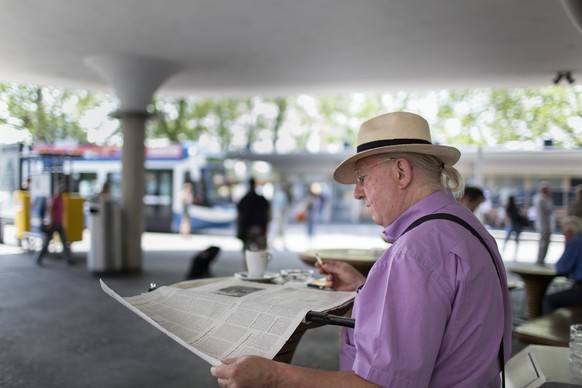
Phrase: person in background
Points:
(472, 197)
(254, 214)
(514, 221)
(543, 222)
(312, 209)
(57, 212)
(281, 205)
(105, 194)
(26, 185)
(187, 199)
(570, 265)
(575, 208)
(432, 311)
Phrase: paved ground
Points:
(58, 329)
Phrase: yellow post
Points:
(73, 217)
(22, 221)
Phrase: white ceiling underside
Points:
(276, 47)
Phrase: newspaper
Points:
(232, 317)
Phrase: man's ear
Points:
(404, 173)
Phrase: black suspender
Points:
(450, 217)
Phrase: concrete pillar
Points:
(134, 80)
(132, 188)
(573, 9)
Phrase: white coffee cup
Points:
(257, 262)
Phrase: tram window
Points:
(151, 184)
(158, 187)
(165, 183)
(114, 179)
(215, 184)
(85, 184)
(158, 183)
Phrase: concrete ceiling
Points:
(276, 47)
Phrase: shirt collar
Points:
(428, 205)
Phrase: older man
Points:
(570, 265)
(434, 310)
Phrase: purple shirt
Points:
(433, 310)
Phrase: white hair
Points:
(443, 176)
(572, 224)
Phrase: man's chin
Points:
(377, 220)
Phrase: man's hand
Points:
(247, 371)
(341, 276)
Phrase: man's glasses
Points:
(362, 178)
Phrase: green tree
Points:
(49, 114)
(226, 113)
(485, 117)
(225, 119)
(179, 119)
(337, 124)
(281, 104)
(498, 116)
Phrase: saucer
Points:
(297, 275)
(267, 277)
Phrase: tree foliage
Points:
(486, 117)
(235, 123)
(49, 114)
(498, 116)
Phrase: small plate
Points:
(267, 277)
(297, 275)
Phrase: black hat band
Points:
(384, 143)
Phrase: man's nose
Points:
(358, 191)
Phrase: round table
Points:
(536, 279)
(361, 259)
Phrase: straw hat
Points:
(394, 132)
